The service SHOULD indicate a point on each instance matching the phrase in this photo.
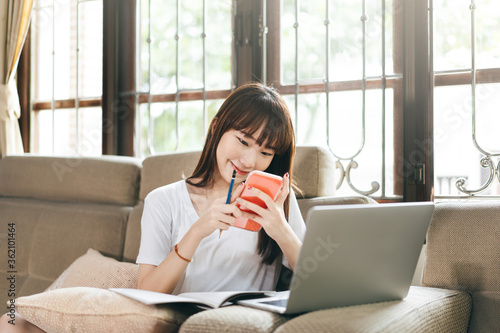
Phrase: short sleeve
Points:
(156, 233)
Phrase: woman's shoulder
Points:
(169, 190)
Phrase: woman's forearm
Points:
(165, 277)
(290, 245)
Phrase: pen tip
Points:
(234, 174)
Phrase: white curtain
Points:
(14, 22)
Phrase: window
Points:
(392, 87)
(342, 78)
(184, 71)
(467, 80)
(67, 77)
(339, 85)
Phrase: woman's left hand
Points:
(272, 218)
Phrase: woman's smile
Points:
(239, 171)
(238, 150)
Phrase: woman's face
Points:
(238, 150)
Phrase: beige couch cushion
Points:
(463, 246)
(423, 310)
(97, 271)
(463, 252)
(108, 179)
(84, 309)
(314, 170)
(306, 204)
(161, 170)
(51, 235)
(233, 319)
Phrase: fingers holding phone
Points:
(285, 190)
(237, 192)
(271, 217)
(261, 200)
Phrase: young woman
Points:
(181, 248)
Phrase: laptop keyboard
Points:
(279, 302)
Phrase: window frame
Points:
(30, 107)
(389, 82)
(119, 60)
(413, 114)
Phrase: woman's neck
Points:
(218, 189)
(203, 197)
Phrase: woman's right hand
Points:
(219, 216)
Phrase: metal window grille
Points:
(147, 97)
(45, 13)
(459, 186)
(346, 163)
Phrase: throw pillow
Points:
(83, 309)
(97, 271)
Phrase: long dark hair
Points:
(248, 108)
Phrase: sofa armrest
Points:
(306, 204)
(423, 310)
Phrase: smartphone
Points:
(267, 183)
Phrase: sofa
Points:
(71, 230)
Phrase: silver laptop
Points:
(353, 255)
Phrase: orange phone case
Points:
(267, 183)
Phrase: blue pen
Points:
(228, 200)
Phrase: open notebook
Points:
(213, 299)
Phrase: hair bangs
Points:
(275, 128)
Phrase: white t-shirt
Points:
(230, 263)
